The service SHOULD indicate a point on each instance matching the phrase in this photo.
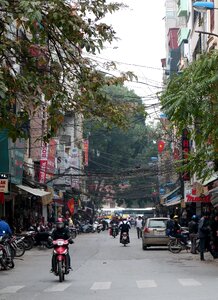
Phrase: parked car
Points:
(154, 232)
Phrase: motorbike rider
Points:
(61, 232)
(114, 222)
(4, 227)
(173, 229)
(124, 227)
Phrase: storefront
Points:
(172, 201)
(30, 206)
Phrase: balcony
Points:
(182, 8)
(183, 35)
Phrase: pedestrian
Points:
(214, 235)
(204, 233)
(139, 226)
(193, 233)
(4, 227)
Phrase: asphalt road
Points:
(103, 269)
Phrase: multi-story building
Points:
(189, 32)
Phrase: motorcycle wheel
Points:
(60, 272)
(174, 246)
(28, 243)
(49, 245)
(10, 264)
(20, 250)
(3, 261)
(73, 234)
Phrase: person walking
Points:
(193, 233)
(204, 232)
(214, 235)
(139, 226)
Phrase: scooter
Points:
(124, 239)
(60, 251)
(114, 230)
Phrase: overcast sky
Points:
(141, 29)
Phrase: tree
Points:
(43, 62)
(119, 157)
(191, 101)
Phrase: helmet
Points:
(60, 223)
(175, 217)
(194, 217)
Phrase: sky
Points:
(141, 45)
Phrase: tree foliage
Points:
(191, 101)
(119, 157)
(44, 62)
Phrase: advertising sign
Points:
(16, 154)
(3, 185)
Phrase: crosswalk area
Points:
(101, 285)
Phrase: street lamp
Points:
(202, 6)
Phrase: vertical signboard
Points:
(4, 159)
(43, 163)
(185, 152)
(86, 152)
(47, 161)
(16, 154)
(51, 158)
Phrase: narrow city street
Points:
(105, 269)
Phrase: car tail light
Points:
(146, 230)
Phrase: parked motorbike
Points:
(124, 239)
(86, 228)
(28, 239)
(60, 251)
(99, 227)
(18, 246)
(73, 232)
(7, 252)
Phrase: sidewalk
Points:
(196, 257)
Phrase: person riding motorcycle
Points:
(61, 232)
(124, 227)
(114, 223)
(174, 229)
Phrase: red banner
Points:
(70, 205)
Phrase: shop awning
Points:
(33, 191)
(171, 193)
(173, 201)
(211, 179)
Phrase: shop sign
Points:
(203, 198)
(3, 185)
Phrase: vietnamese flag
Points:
(70, 205)
(160, 146)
